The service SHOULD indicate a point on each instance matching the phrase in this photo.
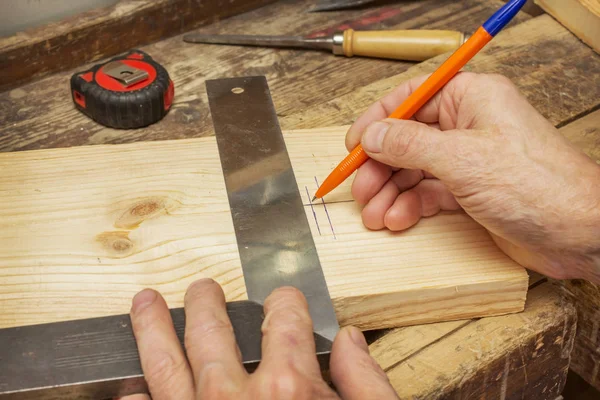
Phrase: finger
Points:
(287, 330)
(442, 108)
(381, 109)
(424, 200)
(369, 180)
(210, 340)
(407, 178)
(412, 145)
(373, 214)
(355, 374)
(163, 361)
(134, 397)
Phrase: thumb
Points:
(407, 144)
(355, 374)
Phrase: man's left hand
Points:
(213, 368)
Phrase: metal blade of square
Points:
(274, 239)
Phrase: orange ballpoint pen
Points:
(428, 89)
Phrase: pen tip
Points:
(313, 199)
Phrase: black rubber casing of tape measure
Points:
(113, 104)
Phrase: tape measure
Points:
(128, 91)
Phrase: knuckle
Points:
(502, 82)
(287, 383)
(402, 141)
(209, 325)
(284, 297)
(215, 383)
(164, 369)
(289, 320)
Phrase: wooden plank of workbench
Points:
(104, 32)
(297, 79)
(585, 360)
(557, 73)
(519, 356)
(83, 229)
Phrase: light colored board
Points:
(83, 229)
(582, 17)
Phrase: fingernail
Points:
(265, 323)
(195, 285)
(373, 138)
(143, 299)
(358, 338)
(201, 281)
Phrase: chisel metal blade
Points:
(334, 5)
(324, 43)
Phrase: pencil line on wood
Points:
(313, 210)
(326, 212)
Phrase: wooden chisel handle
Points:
(410, 45)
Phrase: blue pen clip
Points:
(503, 16)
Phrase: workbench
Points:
(523, 355)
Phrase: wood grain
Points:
(557, 73)
(104, 32)
(520, 356)
(297, 79)
(83, 229)
(582, 17)
(585, 361)
(584, 133)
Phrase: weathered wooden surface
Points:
(557, 73)
(582, 17)
(585, 361)
(554, 70)
(104, 32)
(298, 79)
(521, 356)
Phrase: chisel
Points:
(408, 45)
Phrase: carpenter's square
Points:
(98, 358)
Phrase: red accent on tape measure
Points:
(136, 56)
(88, 76)
(79, 98)
(169, 95)
(110, 83)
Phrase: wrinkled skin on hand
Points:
(480, 146)
(213, 369)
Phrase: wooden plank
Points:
(584, 133)
(519, 356)
(582, 17)
(83, 229)
(297, 79)
(91, 35)
(556, 72)
(585, 359)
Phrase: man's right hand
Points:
(480, 146)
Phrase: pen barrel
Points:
(409, 45)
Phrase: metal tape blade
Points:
(274, 239)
